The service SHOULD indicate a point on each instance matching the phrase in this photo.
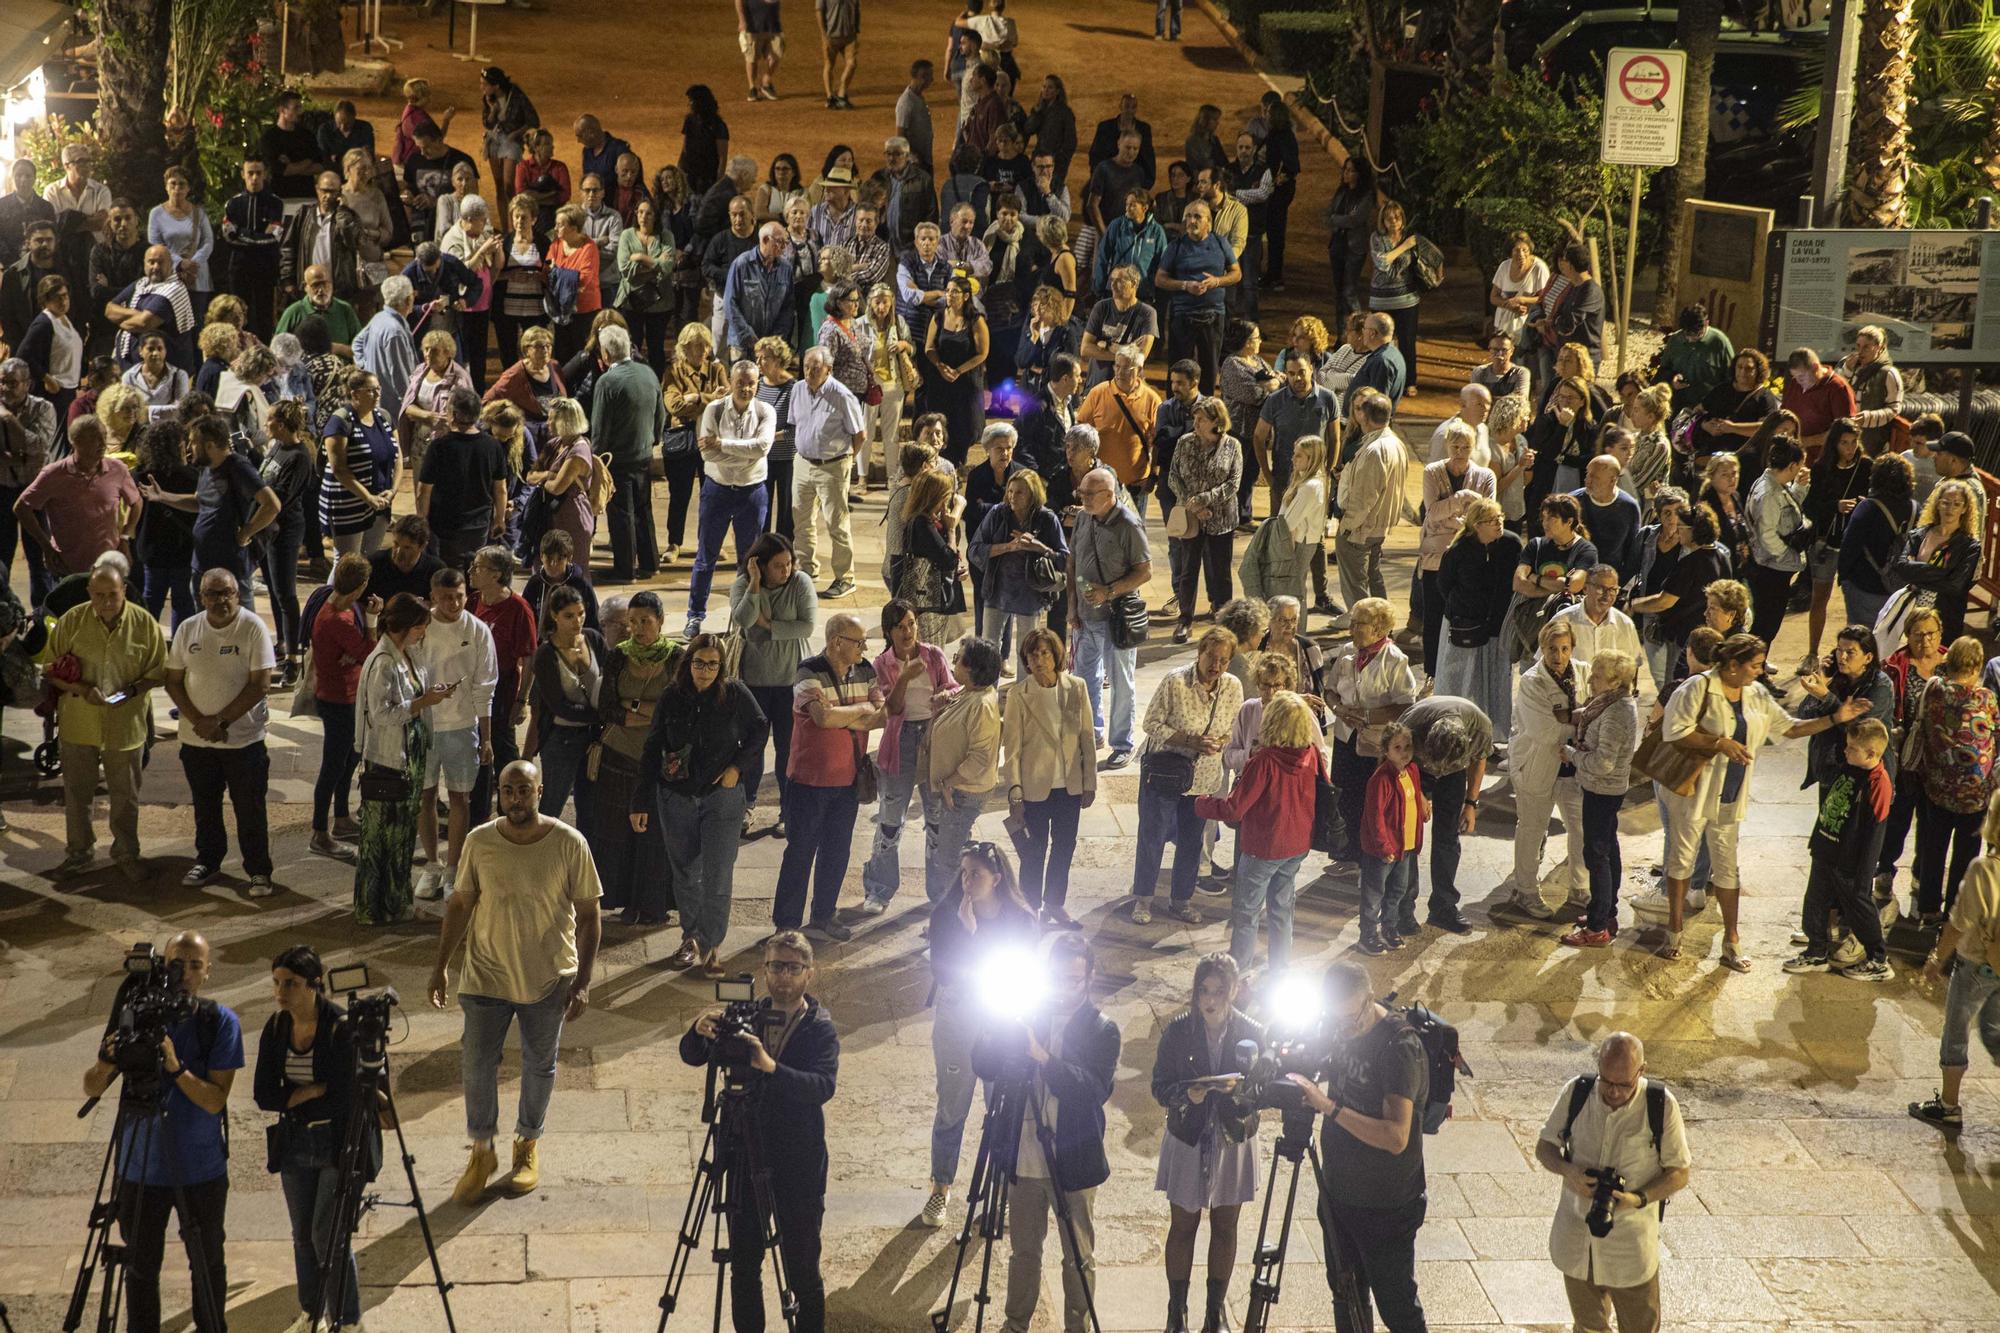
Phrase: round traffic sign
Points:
(1644, 80)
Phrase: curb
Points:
(1302, 120)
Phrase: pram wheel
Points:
(48, 759)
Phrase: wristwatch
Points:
(1643, 1200)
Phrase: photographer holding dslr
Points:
(1372, 1147)
(1617, 1141)
(305, 1072)
(177, 1161)
(791, 1059)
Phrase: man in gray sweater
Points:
(628, 417)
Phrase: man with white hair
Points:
(735, 438)
(218, 674)
(828, 426)
(384, 345)
(1371, 498)
(909, 194)
(1614, 1121)
(758, 293)
(628, 418)
(1383, 369)
(77, 191)
(1475, 404)
(836, 702)
(1109, 562)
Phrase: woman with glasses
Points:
(961, 765)
(917, 681)
(703, 758)
(978, 916)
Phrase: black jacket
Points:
(955, 950)
(1477, 580)
(546, 691)
(1183, 1055)
(1080, 1080)
(703, 733)
(787, 1105)
(332, 1066)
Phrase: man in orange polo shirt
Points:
(1123, 409)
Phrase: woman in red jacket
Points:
(1272, 807)
(1392, 833)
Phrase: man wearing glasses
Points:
(794, 1060)
(835, 704)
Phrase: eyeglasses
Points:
(846, 638)
(706, 663)
(785, 968)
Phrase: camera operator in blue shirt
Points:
(177, 1161)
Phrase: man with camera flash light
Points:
(1617, 1141)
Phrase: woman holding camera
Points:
(305, 1073)
(1208, 1156)
(979, 915)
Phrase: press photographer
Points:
(305, 1073)
(1372, 1147)
(1616, 1139)
(179, 1053)
(789, 1058)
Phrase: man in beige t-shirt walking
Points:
(525, 907)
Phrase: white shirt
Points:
(94, 197)
(65, 354)
(1622, 1140)
(460, 650)
(746, 438)
(1482, 449)
(218, 663)
(1617, 632)
(1699, 703)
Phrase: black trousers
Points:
(1945, 840)
(1846, 887)
(1351, 771)
(799, 1218)
(778, 491)
(142, 1222)
(1432, 607)
(1213, 553)
(819, 837)
(473, 327)
(1277, 216)
(1051, 847)
(1200, 339)
(631, 517)
(1447, 797)
(245, 773)
(1379, 1246)
(1770, 591)
(506, 749)
(683, 477)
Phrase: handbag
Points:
(1426, 262)
(866, 784)
(1180, 523)
(1130, 621)
(1168, 772)
(906, 373)
(379, 782)
(1467, 636)
(305, 701)
(678, 442)
(1671, 764)
(873, 397)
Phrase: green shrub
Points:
(1248, 14)
(1299, 40)
(1489, 221)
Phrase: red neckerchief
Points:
(1363, 656)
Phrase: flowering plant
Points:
(240, 99)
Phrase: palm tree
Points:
(1698, 29)
(1474, 23)
(133, 37)
(1878, 154)
(1989, 150)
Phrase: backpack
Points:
(1442, 1059)
(602, 486)
(1656, 1115)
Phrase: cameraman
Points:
(183, 1146)
(1611, 1126)
(792, 1071)
(1372, 1146)
(305, 1073)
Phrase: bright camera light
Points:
(1012, 983)
(1294, 1002)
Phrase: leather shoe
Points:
(1452, 921)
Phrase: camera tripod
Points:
(993, 1174)
(1353, 1312)
(141, 1111)
(351, 1198)
(731, 1157)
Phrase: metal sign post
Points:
(1642, 128)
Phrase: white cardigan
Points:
(1699, 705)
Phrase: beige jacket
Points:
(963, 743)
(1038, 761)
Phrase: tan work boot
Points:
(527, 1172)
(478, 1171)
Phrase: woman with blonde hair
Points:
(1048, 765)
(218, 344)
(1292, 541)
(1393, 288)
(426, 407)
(1309, 339)
(519, 283)
(694, 380)
(1603, 737)
(563, 475)
(928, 575)
(360, 191)
(1941, 557)
(1271, 806)
(415, 115)
(1449, 485)
(1647, 418)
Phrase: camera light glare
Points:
(1012, 983)
(1294, 1002)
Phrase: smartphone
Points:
(115, 697)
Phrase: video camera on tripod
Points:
(743, 1016)
(153, 1000)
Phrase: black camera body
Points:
(367, 1015)
(152, 1001)
(1603, 1202)
(1267, 1077)
(743, 1016)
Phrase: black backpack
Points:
(1656, 1114)
(1442, 1059)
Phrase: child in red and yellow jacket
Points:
(1392, 833)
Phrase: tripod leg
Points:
(765, 1200)
(1066, 1232)
(1268, 1266)
(986, 1203)
(1353, 1312)
(701, 1197)
(417, 1202)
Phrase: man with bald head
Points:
(343, 321)
(1109, 559)
(1617, 1120)
(524, 905)
(157, 303)
(836, 702)
(179, 1162)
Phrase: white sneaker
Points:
(934, 1208)
(1530, 904)
(430, 884)
(1650, 904)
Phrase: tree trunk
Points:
(1989, 151)
(1474, 23)
(1698, 28)
(133, 37)
(1878, 155)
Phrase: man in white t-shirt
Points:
(457, 650)
(1614, 1120)
(218, 672)
(1475, 404)
(525, 907)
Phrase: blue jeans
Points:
(819, 838)
(723, 509)
(1862, 606)
(955, 1022)
(1167, 18)
(486, 1023)
(309, 1192)
(1388, 890)
(1601, 858)
(947, 828)
(883, 874)
(1162, 818)
(703, 834)
(1974, 993)
(561, 758)
(162, 581)
(1095, 657)
(1256, 881)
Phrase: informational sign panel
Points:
(1936, 294)
(1723, 265)
(1642, 106)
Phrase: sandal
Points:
(1733, 959)
(1670, 946)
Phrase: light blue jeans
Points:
(486, 1021)
(954, 1026)
(947, 828)
(1259, 881)
(1974, 993)
(702, 837)
(1095, 657)
(883, 874)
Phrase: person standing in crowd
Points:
(511, 621)
(695, 379)
(1271, 804)
(1207, 471)
(917, 682)
(703, 759)
(1393, 816)
(1187, 723)
(341, 641)
(1778, 530)
(1604, 735)
(1475, 579)
(1598, 626)
(1873, 538)
(836, 702)
(1941, 555)
(1373, 1147)
(1818, 395)
(773, 606)
(305, 1075)
(179, 1163)
(529, 956)
(1615, 1120)
(1208, 1154)
(1195, 269)
(734, 440)
(636, 676)
(1371, 498)
(80, 507)
(1855, 796)
(393, 736)
(218, 672)
(458, 650)
(1966, 946)
(1368, 686)
(568, 681)
(28, 431)
(1536, 769)
(462, 484)
(979, 919)
(628, 418)
(1452, 739)
(1109, 562)
(794, 1065)
(1450, 484)
(1124, 412)
(958, 763)
(829, 427)
(1954, 733)
(406, 564)
(1049, 767)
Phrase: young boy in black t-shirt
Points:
(1846, 839)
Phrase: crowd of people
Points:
(191, 417)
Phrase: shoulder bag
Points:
(379, 782)
(1164, 771)
(1180, 523)
(1671, 764)
(1130, 621)
(1426, 263)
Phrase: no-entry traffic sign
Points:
(1642, 107)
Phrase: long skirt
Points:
(1480, 674)
(636, 875)
(382, 864)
